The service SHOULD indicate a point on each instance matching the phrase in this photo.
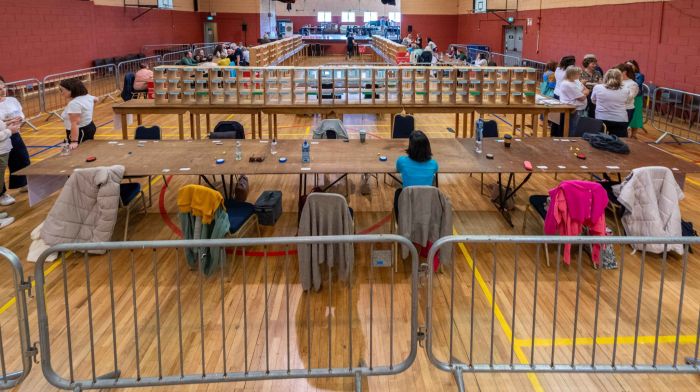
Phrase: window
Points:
(395, 17)
(324, 16)
(370, 16)
(347, 17)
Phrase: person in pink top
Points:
(142, 77)
(573, 205)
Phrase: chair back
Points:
(490, 128)
(588, 125)
(324, 207)
(330, 129)
(128, 89)
(404, 125)
(147, 133)
(228, 130)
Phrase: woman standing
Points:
(610, 100)
(590, 77)
(630, 86)
(13, 116)
(548, 80)
(559, 76)
(637, 121)
(574, 93)
(5, 148)
(77, 116)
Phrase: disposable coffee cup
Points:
(363, 135)
(507, 139)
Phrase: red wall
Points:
(42, 37)
(664, 37)
(229, 27)
(441, 28)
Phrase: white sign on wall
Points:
(165, 4)
(480, 6)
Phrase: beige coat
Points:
(325, 214)
(86, 209)
(425, 214)
(651, 198)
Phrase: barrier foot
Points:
(12, 376)
(358, 381)
(663, 136)
(110, 376)
(692, 361)
(457, 373)
(30, 125)
(54, 113)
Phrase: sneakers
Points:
(6, 222)
(23, 189)
(6, 200)
(3, 215)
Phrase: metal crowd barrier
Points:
(100, 81)
(500, 313)
(504, 60)
(675, 113)
(134, 65)
(16, 352)
(538, 65)
(138, 316)
(28, 93)
(163, 49)
(174, 57)
(208, 49)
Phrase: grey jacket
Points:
(86, 209)
(333, 125)
(425, 214)
(324, 214)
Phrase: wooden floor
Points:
(308, 314)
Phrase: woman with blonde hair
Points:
(611, 100)
(573, 92)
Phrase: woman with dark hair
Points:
(13, 116)
(77, 116)
(219, 53)
(629, 85)
(548, 80)
(610, 99)
(419, 167)
(637, 121)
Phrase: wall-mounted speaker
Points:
(196, 5)
(410, 28)
(244, 27)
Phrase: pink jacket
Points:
(574, 204)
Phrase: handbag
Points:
(240, 193)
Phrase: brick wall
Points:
(42, 37)
(441, 28)
(662, 36)
(229, 26)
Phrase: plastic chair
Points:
(536, 207)
(588, 125)
(127, 195)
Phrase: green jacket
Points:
(187, 61)
(193, 229)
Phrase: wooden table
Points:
(197, 157)
(145, 106)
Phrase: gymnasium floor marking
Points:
(536, 385)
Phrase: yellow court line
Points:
(499, 315)
(606, 340)
(308, 131)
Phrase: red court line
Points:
(176, 230)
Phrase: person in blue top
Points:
(419, 167)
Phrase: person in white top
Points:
(481, 60)
(13, 116)
(77, 116)
(573, 92)
(610, 100)
(630, 85)
(431, 45)
(559, 76)
(5, 148)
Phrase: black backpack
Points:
(230, 128)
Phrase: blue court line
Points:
(45, 149)
(40, 146)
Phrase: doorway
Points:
(211, 34)
(513, 45)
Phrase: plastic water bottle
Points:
(65, 148)
(479, 135)
(239, 152)
(273, 147)
(306, 152)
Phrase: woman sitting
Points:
(419, 167)
(610, 100)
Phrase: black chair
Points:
(404, 125)
(490, 130)
(537, 207)
(425, 57)
(588, 125)
(148, 133)
(228, 130)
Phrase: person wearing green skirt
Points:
(637, 121)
